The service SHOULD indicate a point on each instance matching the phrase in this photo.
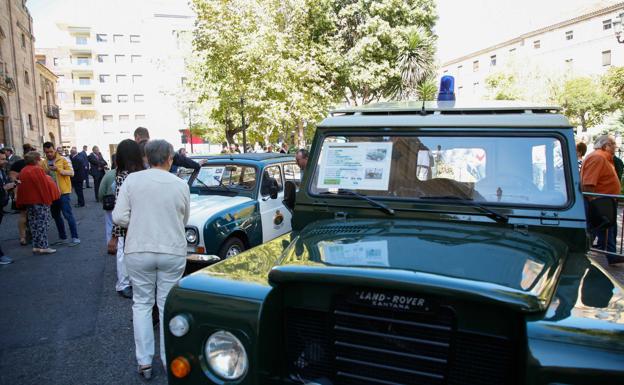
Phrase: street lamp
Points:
(618, 28)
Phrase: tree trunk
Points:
(300, 135)
(583, 123)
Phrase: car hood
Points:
(203, 206)
(500, 264)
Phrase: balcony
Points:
(52, 111)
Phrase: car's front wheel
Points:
(233, 246)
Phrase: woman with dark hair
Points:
(128, 159)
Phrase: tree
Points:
(502, 86)
(613, 82)
(585, 102)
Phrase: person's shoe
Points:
(79, 205)
(5, 260)
(613, 260)
(44, 251)
(23, 242)
(126, 292)
(145, 371)
(60, 242)
(74, 242)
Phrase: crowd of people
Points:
(150, 253)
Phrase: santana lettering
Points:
(392, 301)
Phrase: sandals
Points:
(145, 371)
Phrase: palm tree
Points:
(417, 65)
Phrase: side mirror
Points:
(290, 193)
(273, 190)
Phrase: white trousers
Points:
(152, 276)
(123, 281)
(108, 220)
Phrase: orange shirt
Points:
(598, 170)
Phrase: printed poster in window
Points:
(362, 166)
(369, 253)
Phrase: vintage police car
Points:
(236, 204)
(431, 244)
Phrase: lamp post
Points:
(242, 103)
(618, 28)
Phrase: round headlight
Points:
(226, 355)
(179, 325)
(191, 235)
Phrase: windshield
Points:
(505, 169)
(225, 177)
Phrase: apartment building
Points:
(583, 45)
(20, 117)
(118, 73)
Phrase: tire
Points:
(231, 247)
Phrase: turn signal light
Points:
(200, 250)
(180, 367)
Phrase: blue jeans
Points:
(63, 205)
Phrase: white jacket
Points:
(154, 206)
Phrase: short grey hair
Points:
(158, 151)
(602, 141)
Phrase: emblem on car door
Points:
(278, 218)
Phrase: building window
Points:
(61, 96)
(23, 41)
(606, 58)
(86, 100)
(493, 60)
(102, 58)
(135, 39)
(117, 38)
(137, 79)
(120, 58)
(135, 58)
(26, 77)
(81, 40)
(606, 24)
(537, 44)
(569, 35)
(30, 125)
(101, 37)
(104, 78)
(83, 61)
(139, 98)
(123, 118)
(107, 98)
(122, 79)
(107, 118)
(475, 66)
(122, 98)
(184, 80)
(139, 117)
(84, 81)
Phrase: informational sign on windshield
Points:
(211, 176)
(369, 253)
(362, 165)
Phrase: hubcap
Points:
(232, 251)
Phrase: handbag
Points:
(108, 202)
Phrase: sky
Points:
(464, 26)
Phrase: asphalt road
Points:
(61, 320)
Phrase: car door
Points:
(275, 217)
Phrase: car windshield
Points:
(225, 177)
(514, 169)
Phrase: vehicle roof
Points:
(265, 157)
(493, 113)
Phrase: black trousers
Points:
(1, 215)
(78, 190)
(87, 181)
(96, 184)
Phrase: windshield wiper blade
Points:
(492, 214)
(379, 205)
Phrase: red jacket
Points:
(36, 188)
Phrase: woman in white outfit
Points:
(154, 206)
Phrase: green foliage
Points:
(585, 102)
(502, 86)
(613, 82)
(290, 60)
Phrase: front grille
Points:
(360, 344)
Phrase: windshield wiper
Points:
(373, 202)
(221, 185)
(495, 215)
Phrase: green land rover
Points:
(432, 244)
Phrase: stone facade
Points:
(46, 92)
(20, 120)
